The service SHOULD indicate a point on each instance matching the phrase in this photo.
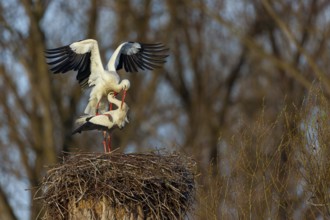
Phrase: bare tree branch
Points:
(320, 74)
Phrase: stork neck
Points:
(114, 101)
(113, 62)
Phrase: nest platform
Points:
(119, 186)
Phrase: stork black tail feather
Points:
(77, 130)
(84, 127)
(87, 126)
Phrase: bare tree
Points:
(38, 121)
(237, 74)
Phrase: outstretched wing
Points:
(133, 56)
(81, 56)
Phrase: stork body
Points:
(84, 57)
(107, 121)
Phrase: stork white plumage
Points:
(106, 121)
(84, 57)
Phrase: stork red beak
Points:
(123, 99)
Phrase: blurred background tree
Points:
(229, 95)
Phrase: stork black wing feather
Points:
(58, 68)
(154, 52)
(74, 63)
(155, 45)
(129, 64)
(64, 59)
(55, 50)
(123, 64)
(78, 63)
(147, 56)
(52, 56)
(144, 64)
(137, 61)
(153, 59)
(120, 63)
(84, 71)
(132, 64)
(87, 126)
(70, 63)
(140, 61)
(162, 57)
(59, 60)
(151, 65)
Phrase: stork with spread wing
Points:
(84, 57)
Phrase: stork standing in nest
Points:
(106, 121)
(84, 57)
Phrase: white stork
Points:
(106, 121)
(84, 57)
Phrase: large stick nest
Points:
(162, 185)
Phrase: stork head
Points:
(126, 84)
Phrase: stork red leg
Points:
(97, 107)
(105, 141)
(123, 99)
(109, 143)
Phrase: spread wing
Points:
(78, 56)
(133, 56)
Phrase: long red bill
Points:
(123, 99)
